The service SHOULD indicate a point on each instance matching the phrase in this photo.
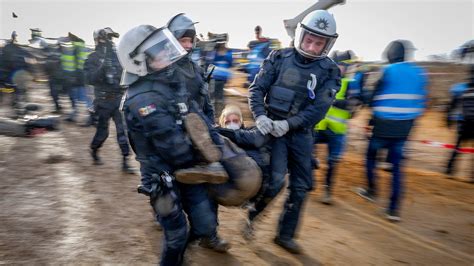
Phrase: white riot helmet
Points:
(319, 23)
(146, 49)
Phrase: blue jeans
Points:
(395, 156)
(336, 144)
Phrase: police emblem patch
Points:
(322, 24)
(144, 111)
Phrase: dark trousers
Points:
(201, 210)
(175, 232)
(395, 154)
(218, 97)
(55, 88)
(336, 144)
(464, 134)
(291, 153)
(105, 111)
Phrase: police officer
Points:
(159, 116)
(184, 31)
(398, 99)
(292, 92)
(103, 71)
(197, 203)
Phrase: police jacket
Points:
(290, 87)
(151, 108)
(102, 70)
(398, 99)
(12, 59)
(196, 85)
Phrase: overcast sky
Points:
(365, 26)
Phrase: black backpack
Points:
(467, 101)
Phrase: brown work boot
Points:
(215, 243)
(199, 134)
(213, 173)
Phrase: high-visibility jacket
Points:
(336, 118)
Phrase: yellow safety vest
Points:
(336, 118)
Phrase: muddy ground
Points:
(57, 208)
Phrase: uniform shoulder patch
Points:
(145, 111)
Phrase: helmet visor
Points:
(162, 49)
(311, 44)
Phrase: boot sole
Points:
(199, 178)
(199, 134)
(291, 250)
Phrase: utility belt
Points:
(284, 103)
(108, 96)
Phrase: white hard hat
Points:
(319, 23)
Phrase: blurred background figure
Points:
(73, 56)
(332, 130)
(258, 51)
(223, 61)
(15, 73)
(398, 99)
(461, 109)
(258, 38)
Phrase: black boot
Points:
(95, 157)
(125, 167)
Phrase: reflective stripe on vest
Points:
(336, 119)
(402, 94)
(68, 62)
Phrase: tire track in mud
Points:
(376, 221)
(6, 144)
(53, 149)
(405, 234)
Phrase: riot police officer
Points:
(201, 209)
(292, 92)
(184, 31)
(103, 71)
(159, 116)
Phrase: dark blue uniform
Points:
(108, 94)
(290, 87)
(153, 109)
(201, 209)
(196, 85)
(11, 62)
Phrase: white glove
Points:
(264, 124)
(280, 128)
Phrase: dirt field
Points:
(57, 208)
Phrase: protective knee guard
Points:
(245, 177)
